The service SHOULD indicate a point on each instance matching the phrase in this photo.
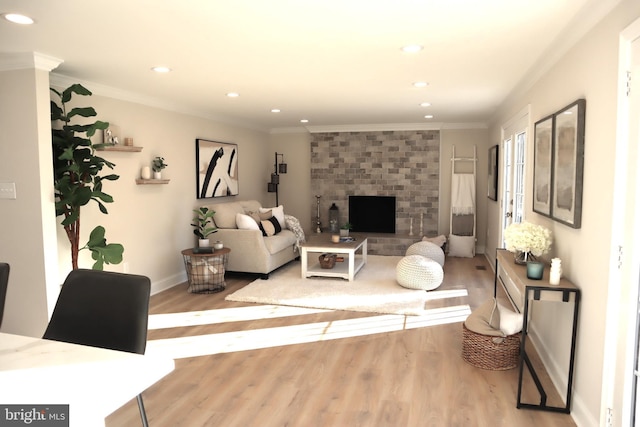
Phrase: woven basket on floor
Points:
(489, 352)
(327, 260)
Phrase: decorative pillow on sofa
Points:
(278, 212)
(270, 226)
(260, 216)
(245, 222)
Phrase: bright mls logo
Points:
(35, 415)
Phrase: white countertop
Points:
(93, 381)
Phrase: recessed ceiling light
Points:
(425, 104)
(421, 84)
(304, 121)
(161, 69)
(429, 116)
(275, 110)
(233, 94)
(17, 18)
(412, 48)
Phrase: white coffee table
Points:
(354, 253)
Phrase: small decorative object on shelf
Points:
(128, 142)
(158, 164)
(556, 271)
(110, 135)
(535, 270)
(217, 245)
(525, 240)
(145, 172)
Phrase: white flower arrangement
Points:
(527, 237)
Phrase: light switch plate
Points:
(7, 190)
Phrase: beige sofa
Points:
(251, 252)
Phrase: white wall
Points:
(153, 221)
(28, 226)
(295, 186)
(588, 70)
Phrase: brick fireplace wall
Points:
(404, 164)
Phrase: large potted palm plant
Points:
(78, 176)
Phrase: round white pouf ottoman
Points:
(427, 249)
(419, 272)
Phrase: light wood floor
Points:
(408, 378)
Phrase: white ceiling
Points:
(333, 62)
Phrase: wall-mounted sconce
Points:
(272, 186)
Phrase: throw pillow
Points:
(461, 246)
(485, 320)
(510, 321)
(439, 240)
(270, 226)
(245, 222)
(278, 212)
(260, 216)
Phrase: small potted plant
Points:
(203, 224)
(344, 230)
(158, 164)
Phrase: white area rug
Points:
(374, 290)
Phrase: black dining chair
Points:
(103, 309)
(4, 282)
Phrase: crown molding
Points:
(394, 127)
(28, 60)
(63, 81)
(584, 21)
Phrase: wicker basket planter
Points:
(490, 352)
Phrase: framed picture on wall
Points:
(543, 165)
(492, 181)
(568, 164)
(216, 169)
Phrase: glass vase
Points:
(521, 258)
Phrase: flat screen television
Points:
(374, 214)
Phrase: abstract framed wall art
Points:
(568, 164)
(542, 165)
(492, 181)
(216, 169)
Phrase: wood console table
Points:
(521, 291)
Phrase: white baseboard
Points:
(168, 282)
